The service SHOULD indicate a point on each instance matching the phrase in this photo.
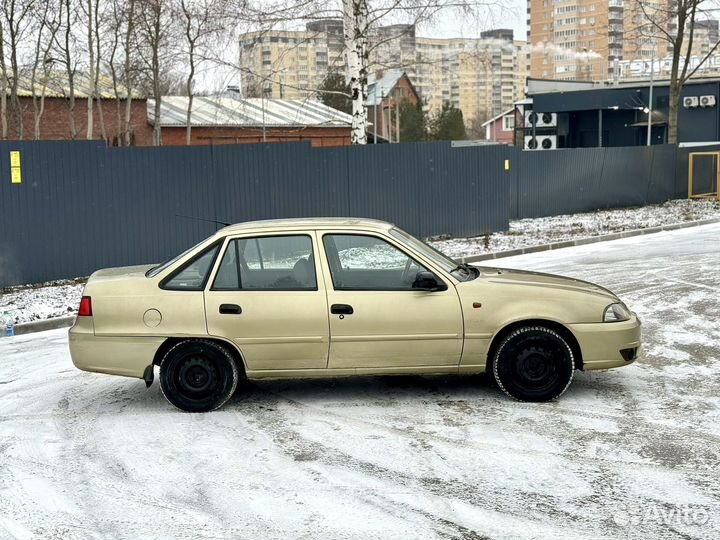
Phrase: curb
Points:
(588, 240)
(42, 326)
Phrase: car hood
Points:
(538, 279)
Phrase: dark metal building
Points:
(618, 115)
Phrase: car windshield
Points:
(155, 270)
(463, 272)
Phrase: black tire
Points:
(198, 376)
(533, 363)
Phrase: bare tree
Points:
(17, 18)
(128, 43)
(202, 20)
(65, 45)
(674, 22)
(156, 34)
(97, 75)
(47, 25)
(91, 67)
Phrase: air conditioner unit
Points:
(540, 142)
(540, 120)
(546, 120)
(690, 102)
(547, 142)
(707, 101)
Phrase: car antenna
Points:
(215, 221)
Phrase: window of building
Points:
(508, 122)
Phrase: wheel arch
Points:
(560, 328)
(170, 342)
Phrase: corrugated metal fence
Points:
(81, 206)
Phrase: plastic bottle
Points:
(8, 321)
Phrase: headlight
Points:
(616, 313)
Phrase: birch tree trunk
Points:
(3, 87)
(129, 33)
(98, 56)
(91, 74)
(355, 23)
(70, 68)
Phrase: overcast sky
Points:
(454, 25)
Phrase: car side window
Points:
(363, 262)
(268, 263)
(194, 274)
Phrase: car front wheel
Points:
(533, 363)
(198, 376)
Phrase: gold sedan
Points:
(336, 297)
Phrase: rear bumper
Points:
(127, 356)
(601, 343)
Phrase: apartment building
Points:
(598, 39)
(290, 64)
(481, 76)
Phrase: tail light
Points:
(85, 307)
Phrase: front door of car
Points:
(377, 318)
(268, 297)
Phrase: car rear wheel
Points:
(533, 363)
(198, 376)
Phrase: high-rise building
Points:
(290, 64)
(597, 39)
(482, 76)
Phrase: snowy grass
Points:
(546, 230)
(60, 299)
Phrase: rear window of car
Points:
(193, 275)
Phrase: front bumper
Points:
(128, 356)
(601, 343)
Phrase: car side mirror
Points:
(427, 281)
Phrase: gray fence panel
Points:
(583, 179)
(662, 184)
(431, 188)
(558, 182)
(279, 181)
(82, 206)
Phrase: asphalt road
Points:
(629, 453)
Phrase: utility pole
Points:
(397, 120)
(650, 98)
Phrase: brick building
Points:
(55, 118)
(386, 91)
(231, 120)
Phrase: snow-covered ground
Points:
(627, 453)
(537, 231)
(36, 303)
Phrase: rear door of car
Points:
(268, 296)
(377, 320)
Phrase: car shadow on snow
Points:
(375, 390)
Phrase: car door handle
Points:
(341, 309)
(230, 309)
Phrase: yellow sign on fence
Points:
(15, 169)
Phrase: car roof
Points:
(307, 223)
